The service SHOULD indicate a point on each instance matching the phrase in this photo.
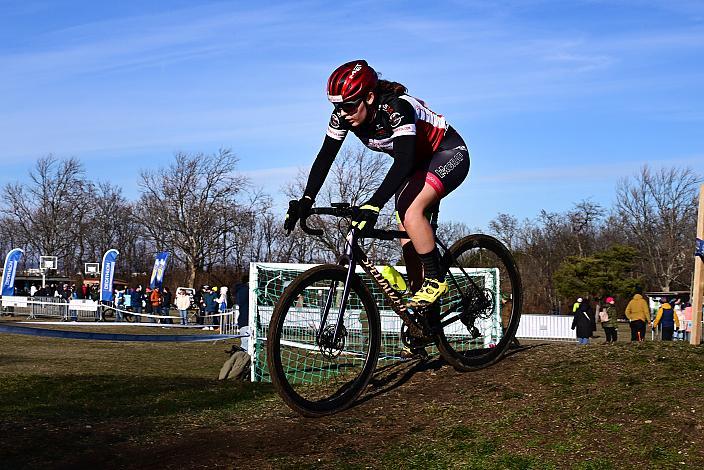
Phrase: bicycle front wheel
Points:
(318, 365)
(480, 316)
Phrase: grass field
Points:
(71, 404)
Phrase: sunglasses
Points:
(349, 107)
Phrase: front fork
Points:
(349, 259)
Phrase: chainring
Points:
(412, 341)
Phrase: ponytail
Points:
(386, 87)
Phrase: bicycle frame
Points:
(354, 255)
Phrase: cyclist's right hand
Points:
(297, 209)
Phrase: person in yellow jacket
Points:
(638, 315)
(667, 319)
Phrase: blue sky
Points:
(556, 99)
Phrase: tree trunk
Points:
(191, 269)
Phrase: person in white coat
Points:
(183, 301)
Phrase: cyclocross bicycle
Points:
(325, 333)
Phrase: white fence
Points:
(51, 307)
(86, 309)
(228, 321)
(546, 327)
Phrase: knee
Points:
(412, 216)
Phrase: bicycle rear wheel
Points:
(315, 371)
(476, 326)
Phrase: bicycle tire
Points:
(292, 318)
(458, 350)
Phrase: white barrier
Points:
(85, 305)
(36, 306)
(546, 327)
(228, 321)
(14, 301)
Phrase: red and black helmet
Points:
(351, 81)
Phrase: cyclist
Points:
(430, 161)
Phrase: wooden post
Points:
(698, 287)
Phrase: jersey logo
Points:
(334, 121)
(395, 119)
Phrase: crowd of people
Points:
(673, 319)
(155, 304)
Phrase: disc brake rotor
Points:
(329, 347)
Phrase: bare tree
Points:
(355, 175)
(450, 232)
(658, 210)
(9, 238)
(112, 225)
(583, 221)
(505, 226)
(51, 210)
(188, 206)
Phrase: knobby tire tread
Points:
(292, 399)
(474, 362)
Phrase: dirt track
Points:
(550, 406)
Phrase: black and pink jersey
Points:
(405, 128)
(395, 116)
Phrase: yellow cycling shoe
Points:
(428, 294)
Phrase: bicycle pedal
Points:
(475, 332)
(414, 353)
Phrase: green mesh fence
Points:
(306, 362)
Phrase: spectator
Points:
(198, 300)
(679, 313)
(73, 314)
(607, 317)
(155, 301)
(638, 315)
(128, 298)
(148, 303)
(583, 323)
(688, 321)
(166, 306)
(183, 301)
(33, 290)
(137, 299)
(242, 299)
(586, 307)
(222, 300)
(119, 304)
(211, 307)
(667, 319)
(576, 305)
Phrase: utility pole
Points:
(698, 285)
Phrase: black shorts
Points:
(445, 171)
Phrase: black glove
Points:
(365, 218)
(297, 209)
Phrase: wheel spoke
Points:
(314, 369)
(485, 296)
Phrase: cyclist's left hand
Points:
(297, 209)
(365, 218)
